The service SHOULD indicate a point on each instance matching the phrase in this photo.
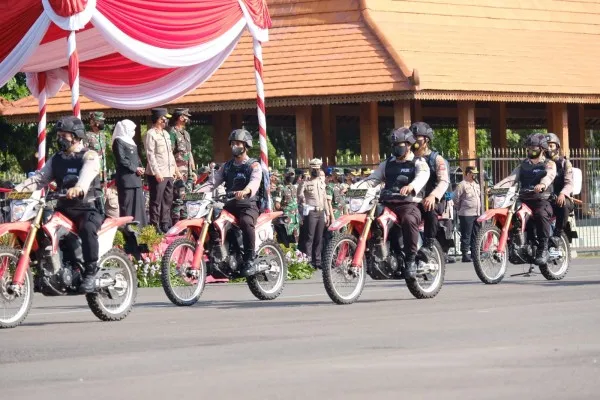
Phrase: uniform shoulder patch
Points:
(90, 155)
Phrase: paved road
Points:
(523, 339)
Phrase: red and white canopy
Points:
(132, 54)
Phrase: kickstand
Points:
(526, 274)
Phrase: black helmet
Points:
(241, 135)
(422, 129)
(553, 138)
(537, 140)
(401, 135)
(72, 125)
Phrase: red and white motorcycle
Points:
(50, 261)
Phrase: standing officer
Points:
(335, 190)
(563, 186)
(96, 140)
(312, 201)
(181, 142)
(436, 187)
(467, 200)
(286, 201)
(536, 174)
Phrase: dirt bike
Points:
(50, 261)
(213, 245)
(361, 245)
(507, 235)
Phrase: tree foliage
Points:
(15, 88)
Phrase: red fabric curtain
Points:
(16, 18)
(116, 69)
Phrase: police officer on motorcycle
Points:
(76, 170)
(436, 187)
(405, 177)
(242, 176)
(563, 186)
(536, 176)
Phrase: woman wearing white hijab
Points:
(129, 172)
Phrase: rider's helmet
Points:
(71, 125)
(315, 163)
(241, 135)
(402, 135)
(422, 129)
(537, 140)
(553, 138)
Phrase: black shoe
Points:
(555, 241)
(410, 269)
(541, 255)
(427, 249)
(450, 260)
(249, 267)
(467, 258)
(88, 285)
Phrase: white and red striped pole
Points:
(42, 99)
(260, 109)
(74, 74)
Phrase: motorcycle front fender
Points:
(355, 220)
(185, 224)
(498, 213)
(19, 229)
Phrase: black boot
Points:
(88, 285)
(541, 255)
(249, 267)
(427, 249)
(410, 269)
(555, 240)
(466, 258)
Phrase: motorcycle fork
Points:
(199, 253)
(23, 264)
(505, 228)
(357, 261)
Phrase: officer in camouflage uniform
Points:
(286, 200)
(96, 140)
(180, 189)
(180, 139)
(336, 191)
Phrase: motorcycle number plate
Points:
(356, 193)
(19, 195)
(194, 196)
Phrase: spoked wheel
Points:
(13, 307)
(182, 284)
(343, 282)
(117, 289)
(430, 275)
(559, 260)
(490, 265)
(268, 285)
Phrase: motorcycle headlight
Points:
(17, 209)
(193, 208)
(356, 204)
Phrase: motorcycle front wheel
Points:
(343, 283)
(490, 265)
(182, 284)
(13, 308)
(430, 275)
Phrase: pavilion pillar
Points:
(304, 135)
(402, 114)
(466, 131)
(317, 132)
(498, 128)
(221, 128)
(558, 123)
(328, 138)
(369, 132)
(576, 123)
(416, 111)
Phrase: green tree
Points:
(15, 88)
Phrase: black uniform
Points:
(530, 175)
(407, 212)
(237, 177)
(430, 218)
(86, 214)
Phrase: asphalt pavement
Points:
(525, 338)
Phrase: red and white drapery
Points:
(127, 54)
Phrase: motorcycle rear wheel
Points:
(9, 258)
(269, 253)
(178, 274)
(417, 287)
(124, 287)
(489, 232)
(550, 270)
(354, 277)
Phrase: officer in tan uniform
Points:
(312, 203)
(467, 200)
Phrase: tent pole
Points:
(42, 98)
(262, 119)
(74, 74)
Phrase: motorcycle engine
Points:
(382, 268)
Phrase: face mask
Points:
(553, 154)
(314, 173)
(64, 144)
(289, 179)
(533, 154)
(400, 151)
(237, 150)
